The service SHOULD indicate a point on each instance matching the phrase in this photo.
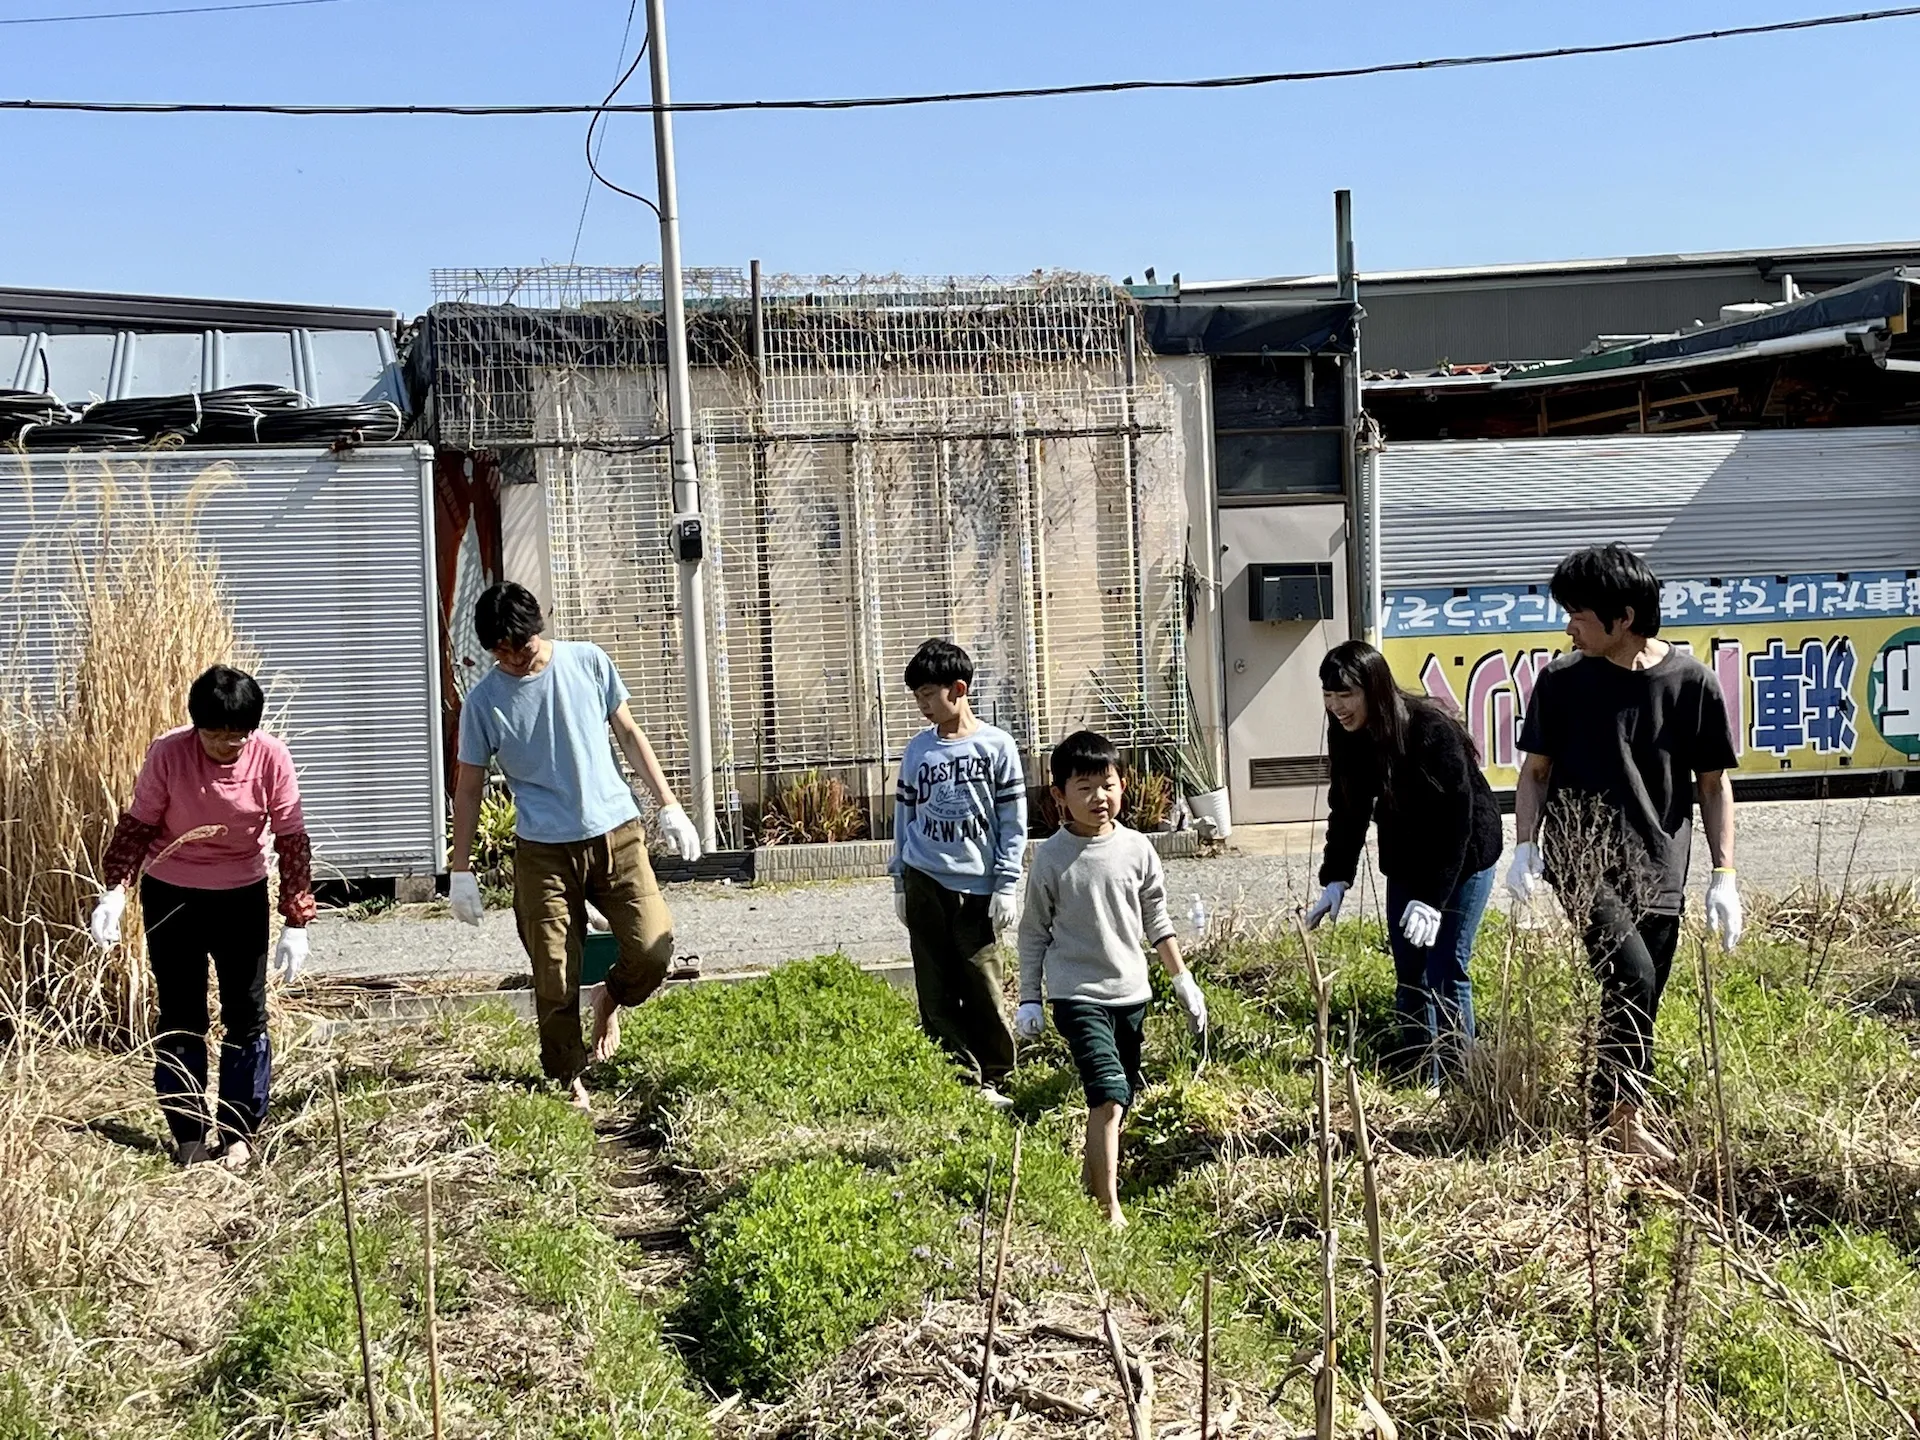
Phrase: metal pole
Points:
(686, 477)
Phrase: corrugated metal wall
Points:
(328, 564)
(1506, 511)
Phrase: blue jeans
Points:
(1433, 992)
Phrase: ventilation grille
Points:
(1276, 772)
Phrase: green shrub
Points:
(539, 1137)
(817, 1040)
(798, 1265)
(300, 1323)
(552, 1264)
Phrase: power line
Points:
(145, 14)
(877, 102)
(586, 200)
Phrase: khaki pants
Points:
(551, 887)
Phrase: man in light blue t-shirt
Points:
(541, 714)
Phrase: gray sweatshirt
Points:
(1091, 901)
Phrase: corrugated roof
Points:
(329, 367)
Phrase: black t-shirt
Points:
(1626, 746)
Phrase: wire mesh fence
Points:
(884, 459)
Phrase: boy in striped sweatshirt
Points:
(959, 831)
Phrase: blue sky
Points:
(1774, 141)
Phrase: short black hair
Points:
(507, 614)
(1609, 580)
(1084, 752)
(224, 698)
(939, 662)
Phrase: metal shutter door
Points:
(1753, 502)
(327, 562)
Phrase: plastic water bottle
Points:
(1197, 916)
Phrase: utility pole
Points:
(1364, 498)
(686, 533)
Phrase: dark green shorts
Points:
(1105, 1041)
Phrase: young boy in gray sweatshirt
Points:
(1096, 893)
(959, 835)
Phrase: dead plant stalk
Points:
(993, 1301)
(353, 1258)
(1323, 1382)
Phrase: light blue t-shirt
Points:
(549, 733)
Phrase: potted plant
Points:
(1199, 773)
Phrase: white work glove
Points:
(1420, 923)
(463, 893)
(290, 955)
(677, 830)
(1523, 876)
(900, 906)
(105, 924)
(1003, 910)
(1029, 1020)
(1327, 907)
(1725, 917)
(1187, 991)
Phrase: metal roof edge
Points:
(146, 312)
(1765, 259)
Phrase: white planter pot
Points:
(1212, 806)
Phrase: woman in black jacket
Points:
(1409, 766)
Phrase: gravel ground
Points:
(1779, 844)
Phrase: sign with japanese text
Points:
(1819, 671)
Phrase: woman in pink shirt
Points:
(207, 797)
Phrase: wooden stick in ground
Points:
(433, 1315)
(1116, 1350)
(986, 1219)
(993, 1302)
(1323, 1382)
(1724, 1164)
(1376, 1249)
(353, 1259)
(1206, 1354)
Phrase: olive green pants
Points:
(551, 887)
(956, 974)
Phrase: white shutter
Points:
(1486, 512)
(328, 563)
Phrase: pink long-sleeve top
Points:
(182, 789)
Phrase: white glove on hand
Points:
(1187, 991)
(105, 924)
(1327, 907)
(290, 955)
(677, 830)
(1420, 923)
(1003, 910)
(1029, 1020)
(900, 906)
(1725, 917)
(1523, 876)
(463, 893)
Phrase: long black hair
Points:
(1356, 665)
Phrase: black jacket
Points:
(1441, 824)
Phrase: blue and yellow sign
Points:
(1820, 672)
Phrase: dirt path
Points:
(1780, 845)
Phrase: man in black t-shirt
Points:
(1619, 738)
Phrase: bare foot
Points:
(1116, 1219)
(606, 1026)
(237, 1156)
(1632, 1137)
(578, 1097)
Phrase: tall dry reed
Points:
(118, 609)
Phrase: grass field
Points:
(773, 1227)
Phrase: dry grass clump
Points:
(811, 808)
(117, 611)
